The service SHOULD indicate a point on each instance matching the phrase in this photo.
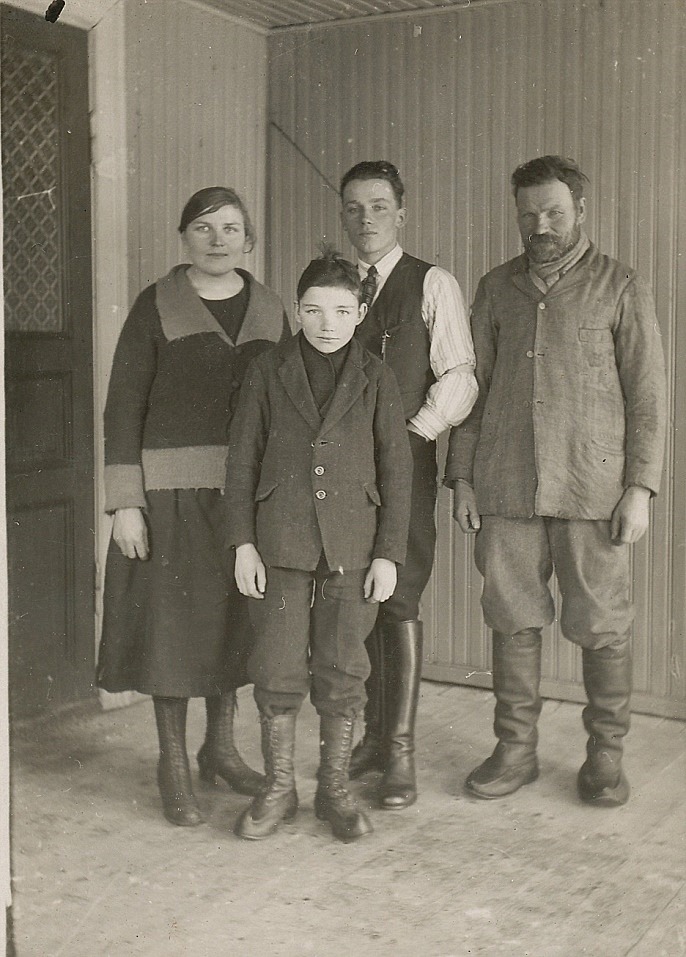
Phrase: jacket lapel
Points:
(259, 317)
(522, 280)
(181, 309)
(352, 384)
(294, 379)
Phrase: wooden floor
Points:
(98, 871)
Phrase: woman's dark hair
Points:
(545, 169)
(377, 169)
(330, 269)
(209, 200)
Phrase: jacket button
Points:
(541, 305)
(319, 470)
(320, 494)
(529, 354)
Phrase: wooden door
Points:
(48, 361)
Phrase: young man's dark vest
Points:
(394, 330)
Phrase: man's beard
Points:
(548, 249)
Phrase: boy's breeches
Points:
(310, 630)
(517, 557)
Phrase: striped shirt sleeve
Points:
(450, 399)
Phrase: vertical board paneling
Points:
(457, 100)
(196, 107)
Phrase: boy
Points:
(318, 497)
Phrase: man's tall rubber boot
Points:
(173, 770)
(333, 802)
(219, 757)
(370, 753)
(516, 682)
(404, 642)
(278, 799)
(607, 678)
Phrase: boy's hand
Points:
(380, 580)
(465, 512)
(131, 533)
(250, 573)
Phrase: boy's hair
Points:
(377, 169)
(209, 200)
(545, 169)
(330, 269)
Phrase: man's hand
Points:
(631, 516)
(380, 581)
(250, 573)
(131, 533)
(465, 511)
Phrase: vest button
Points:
(541, 305)
(529, 354)
(319, 470)
(320, 494)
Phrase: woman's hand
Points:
(465, 512)
(131, 533)
(250, 573)
(380, 581)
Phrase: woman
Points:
(175, 625)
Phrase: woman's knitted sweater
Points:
(175, 379)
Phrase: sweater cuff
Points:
(124, 487)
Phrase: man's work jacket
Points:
(571, 405)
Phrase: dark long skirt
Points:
(176, 625)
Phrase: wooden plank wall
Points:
(457, 99)
(196, 107)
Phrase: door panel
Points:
(49, 366)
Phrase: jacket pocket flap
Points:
(264, 490)
(373, 493)
(595, 335)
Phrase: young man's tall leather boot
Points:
(369, 753)
(333, 802)
(403, 662)
(607, 678)
(516, 682)
(173, 771)
(278, 799)
(218, 756)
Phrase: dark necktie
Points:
(369, 284)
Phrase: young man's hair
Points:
(330, 269)
(377, 169)
(545, 169)
(209, 200)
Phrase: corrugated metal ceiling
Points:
(285, 13)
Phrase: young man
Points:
(417, 323)
(555, 467)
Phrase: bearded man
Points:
(554, 469)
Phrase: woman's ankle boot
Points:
(173, 771)
(333, 802)
(277, 801)
(219, 757)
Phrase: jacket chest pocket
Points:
(597, 347)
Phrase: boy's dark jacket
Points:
(297, 483)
